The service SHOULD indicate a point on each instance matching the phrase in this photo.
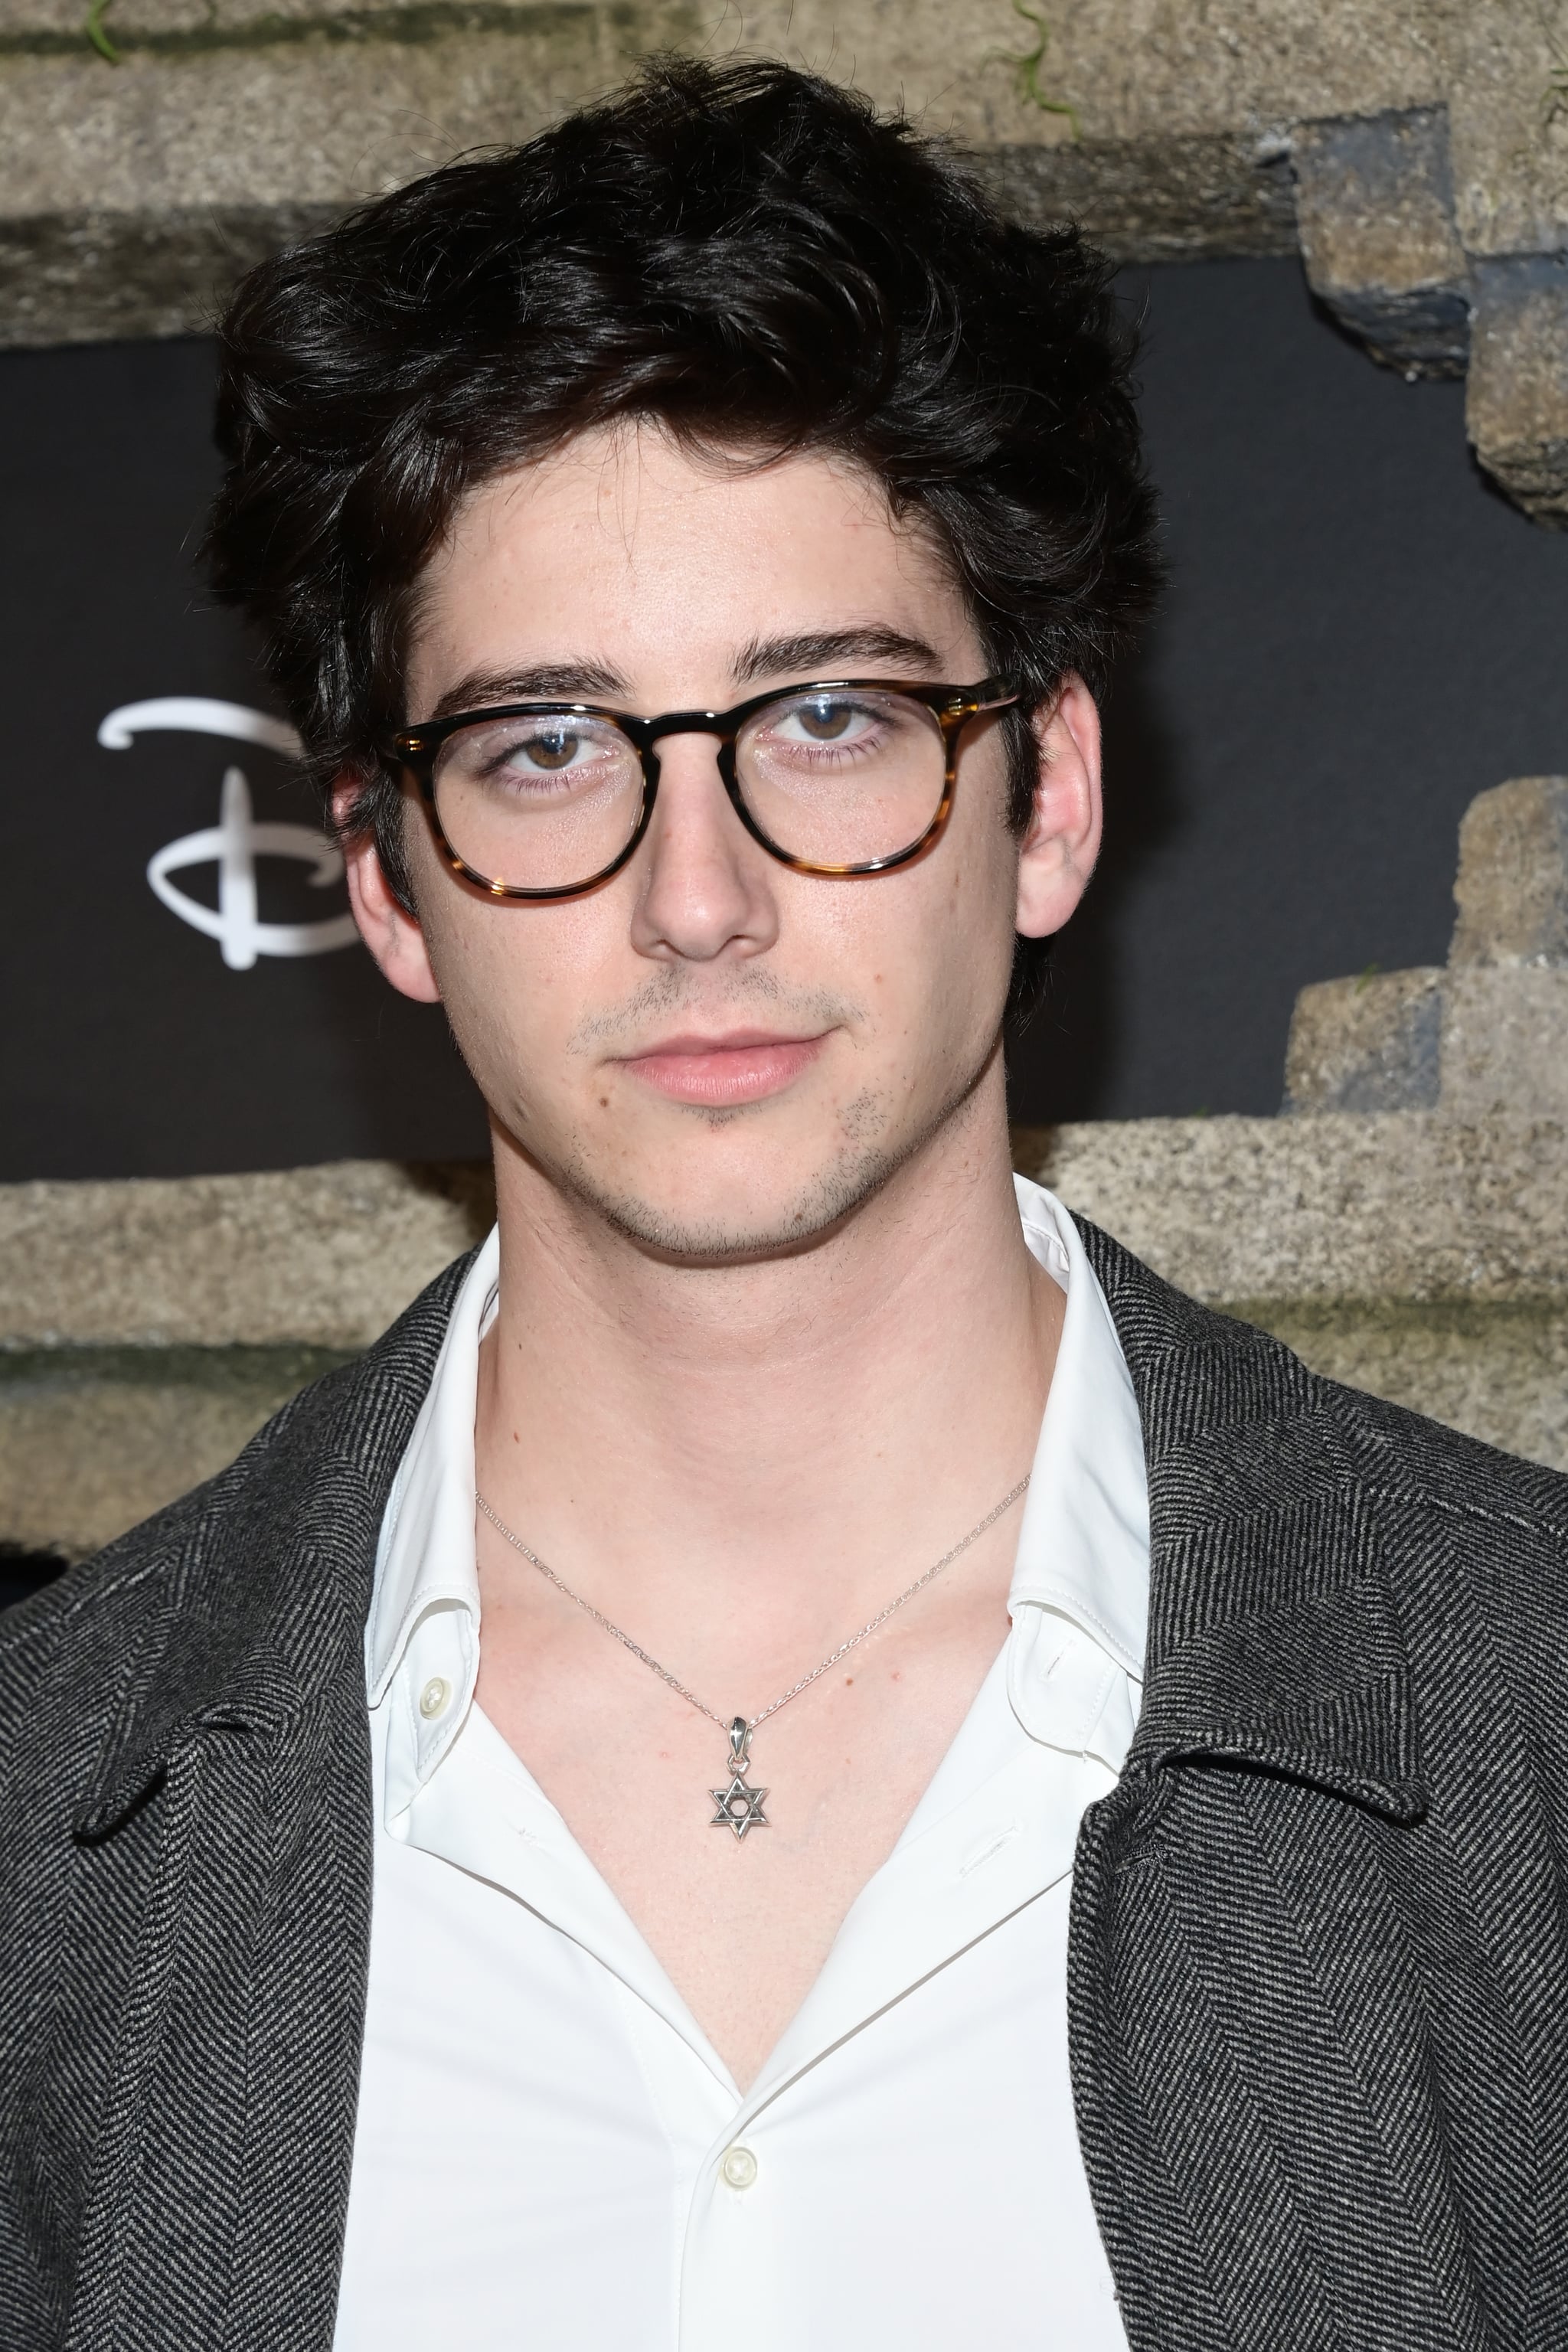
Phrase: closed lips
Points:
(744, 1066)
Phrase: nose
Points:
(706, 889)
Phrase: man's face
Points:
(719, 1055)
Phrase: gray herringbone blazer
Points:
(1318, 1979)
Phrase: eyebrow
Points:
(568, 682)
(821, 652)
(808, 655)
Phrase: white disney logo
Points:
(237, 841)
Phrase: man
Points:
(804, 1754)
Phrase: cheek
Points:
(969, 926)
(511, 980)
(935, 965)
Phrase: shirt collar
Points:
(1079, 1596)
(1083, 1548)
(1082, 1564)
(426, 1560)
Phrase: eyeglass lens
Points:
(549, 799)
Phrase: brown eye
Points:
(824, 722)
(557, 749)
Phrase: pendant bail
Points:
(740, 1743)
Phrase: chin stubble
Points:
(863, 1162)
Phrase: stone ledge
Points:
(1367, 1045)
(1375, 207)
(97, 277)
(1201, 196)
(92, 1440)
(1485, 1036)
(315, 1257)
(1516, 403)
(1401, 1205)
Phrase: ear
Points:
(387, 928)
(1058, 851)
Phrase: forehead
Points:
(625, 544)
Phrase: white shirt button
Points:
(433, 1699)
(738, 2166)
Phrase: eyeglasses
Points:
(542, 800)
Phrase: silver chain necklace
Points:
(739, 1806)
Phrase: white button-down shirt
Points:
(550, 2153)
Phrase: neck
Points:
(827, 1415)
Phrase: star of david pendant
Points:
(739, 1806)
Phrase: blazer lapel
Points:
(235, 1793)
(1273, 1640)
(1256, 2095)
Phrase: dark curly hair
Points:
(748, 255)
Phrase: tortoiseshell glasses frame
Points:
(417, 749)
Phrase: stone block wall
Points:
(148, 1327)
(1415, 151)
(1486, 1037)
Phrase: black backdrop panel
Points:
(1359, 637)
(130, 1047)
